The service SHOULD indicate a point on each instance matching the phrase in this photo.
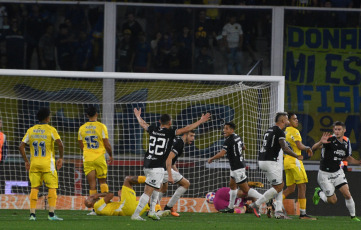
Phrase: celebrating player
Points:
(160, 139)
(127, 204)
(233, 147)
(294, 169)
(335, 148)
(273, 141)
(41, 138)
(93, 141)
(172, 174)
(3, 144)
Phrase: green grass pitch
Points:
(78, 220)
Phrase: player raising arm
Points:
(330, 176)
(273, 141)
(160, 139)
(41, 138)
(93, 141)
(233, 147)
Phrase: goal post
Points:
(249, 101)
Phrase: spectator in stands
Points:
(15, 46)
(304, 17)
(65, 47)
(132, 25)
(83, 53)
(340, 18)
(204, 62)
(47, 49)
(142, 56)
(202, 31)
(125, 49)
(173, 60)
(185, 41)
(157, 57)
(233, 39)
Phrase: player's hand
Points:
(27, 166)
(300, 157)
(59, 163)
(324, 138)
(137, 112)
(309, 151)
(110, 160)
(170, 179)
(210, 160)
(205, 117)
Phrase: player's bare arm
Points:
(169, 166)
(323, 140)
(108, 197)
(141, 122)
(59, 162)
(220, 154)
(204, 118)
(22, 151)
(352, 160)
(303, 147)
(288, 151)
(81, 145)
(108, 147)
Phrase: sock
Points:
(32, 214)
(92, 192)
(51, 214)
(104, 188)
(283, 197)
(323, 196)
(302, 206)
(52, 197)
(232, 198)
(254, 193)
(350, 204)
(141, 179)
(153, 200)
(177, 194)
(33, 200)
(269, 194)
(143, 201)
(160, 196)
(279, 202)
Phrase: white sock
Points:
(350, 204)
(323, 196)
(254, 193)
(177, 194)
(160, 196)
(269, 194)
(279, 203)
(232, 198)
(143, 201)
(153, 200)
(303, 211)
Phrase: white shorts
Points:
(176, 176)
(328, 181)
(273, 171)
(239, 175)
(154, 176)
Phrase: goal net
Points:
(248, 101)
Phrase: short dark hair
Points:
(91, 111)
(43, 113)
(280, 114)
(339, 123)
(165, 118)
(231, 125)
(290, 114)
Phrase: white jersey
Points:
(232, 32)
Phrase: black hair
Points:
(43, 113)
(91, 111)
(231, 125)
(280, 114)
(339, 123)
(164, 119)
(290, 114)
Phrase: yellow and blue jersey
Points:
(292, 135)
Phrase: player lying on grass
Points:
(104, 206)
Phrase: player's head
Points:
(339, 129)
(91, 111)
(189, 137)
(43, 115)
(292, 117)
(165, 119)
(228, 129)
(282, 119)
(90, 201)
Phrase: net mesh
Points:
(248, 104)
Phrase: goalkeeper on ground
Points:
(93, 141)
(103, 205)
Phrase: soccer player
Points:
(172, 174)
(127, 204)
(160, 139)
(3, 146)
(335, 148)
(294, 169)
(273, 141)
(233, 146)
(41, 138)
(93, 141)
